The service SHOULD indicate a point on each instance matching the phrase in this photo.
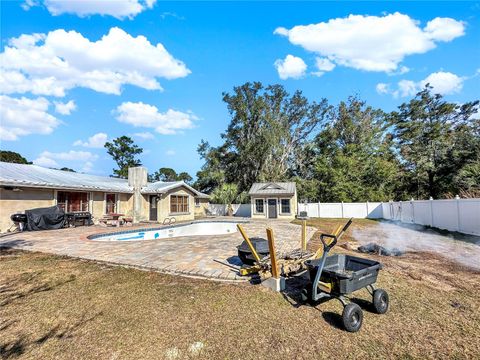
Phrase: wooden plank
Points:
(304, 235)
(249, 243)
(273, 256)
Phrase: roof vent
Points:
(272, 186)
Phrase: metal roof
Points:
(273, 188)
(161, 187)
(19, 175)
(37, 176)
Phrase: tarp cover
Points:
(45, 218)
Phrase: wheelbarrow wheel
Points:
(352, 317)
(380, 301)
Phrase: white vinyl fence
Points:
(462, 215)
(371, 210)
(241, 210)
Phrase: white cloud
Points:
(46, 162)
(53, 63)
(27, 4)
(144, 135)
(445, 83)
(170, 152)
(382, 88)
(119, 9)
(87, 167)
(407, 88)
(144, 115)
(95, 141)
(84, 159)
(23, 116)
(65, 108)
(290, 67)
(372, 43)
(444, 29)
(323, 64)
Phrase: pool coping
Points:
(113, 233)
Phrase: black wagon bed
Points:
(346, 273)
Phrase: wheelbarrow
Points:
(334, 277)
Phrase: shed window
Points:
(72, 201)
(111, 203)
(179, 204)
(285, 206)
(197, 202)
(259, 206)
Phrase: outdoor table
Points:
(115, 218)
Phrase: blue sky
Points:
(168, 96)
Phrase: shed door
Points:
(272, 208)
(153, 208)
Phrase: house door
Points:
(272, 208)
(153, 208)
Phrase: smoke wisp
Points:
(420, 239)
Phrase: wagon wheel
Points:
(352, 317)
(380, 301)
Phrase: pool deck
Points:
(188, 255)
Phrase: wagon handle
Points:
(328, 247)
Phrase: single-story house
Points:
(273, 200)
(24, 187)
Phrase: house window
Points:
(197, 202)
(72, 201)
(111, 203)
(179, 204)
(259, 206)
(285, 208)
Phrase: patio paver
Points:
(189, 255)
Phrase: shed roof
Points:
(273, 188)
(36, 176)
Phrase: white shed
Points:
(273, 200)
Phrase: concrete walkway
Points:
(191, 256)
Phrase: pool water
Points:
(201, 228)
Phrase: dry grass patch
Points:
(57, 307)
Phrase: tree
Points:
(185, 177)
(436, 140)
(123, 150)
(354, 159)
(12, 157)
(268, 128)
(225, 194)
(164, 174)
(168, 175)
(212, 173)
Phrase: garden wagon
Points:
(335, 276)
(331, 277)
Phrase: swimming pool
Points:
(200, 228)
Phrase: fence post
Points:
(342, 209)
(412, 203)
(366, 216)
(457, 199)
(319, 209)
(431, 212)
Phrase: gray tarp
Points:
(45, 218)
